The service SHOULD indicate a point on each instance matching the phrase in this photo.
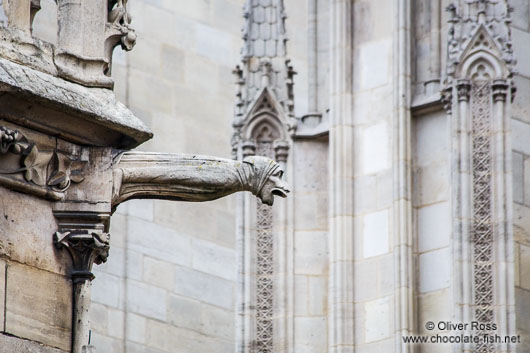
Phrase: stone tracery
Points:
(480, 67)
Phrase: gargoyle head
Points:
(266, 181)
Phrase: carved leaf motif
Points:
(59, 177)
(36, 164)
(65, 171)
(76, 168)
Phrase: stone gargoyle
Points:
(183, 177)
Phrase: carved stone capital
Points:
(463, 89)
(248, 148)
(281, 150)
(85, 236)
(499, 90)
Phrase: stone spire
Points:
(264, 30)
(264, 64)
(263, 125)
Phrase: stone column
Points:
(82, 36)
(84, 235)
(18, 14)
(82, 27)
(402, 194)
(244, 311)
(341, 156)
(284, 248)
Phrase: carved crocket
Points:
(183, 177)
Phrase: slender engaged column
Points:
(341, 263)
(84, 236)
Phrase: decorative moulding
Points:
(82, 115)
(42, 173)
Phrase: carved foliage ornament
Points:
(47, 169)
(85, 248)
(119, 24)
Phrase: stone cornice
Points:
(89, 116)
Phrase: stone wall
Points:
(432, 220)
(310, 246)
(32, 272)
(372, 184)
(521, 173)
(169, 283)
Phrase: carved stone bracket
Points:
(85, 236)
(43, 173)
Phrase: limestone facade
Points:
(403, 136)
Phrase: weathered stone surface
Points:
(94, 193)
(2, 294)
(29, 241)
(10, 344)
(183, 177)
(96, 111)
(49, 317)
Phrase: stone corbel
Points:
(27, 169)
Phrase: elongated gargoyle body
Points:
(184, 177)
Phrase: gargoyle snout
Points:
(281, 189)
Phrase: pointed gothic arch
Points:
(478, 86)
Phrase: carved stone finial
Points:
(85, 236)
